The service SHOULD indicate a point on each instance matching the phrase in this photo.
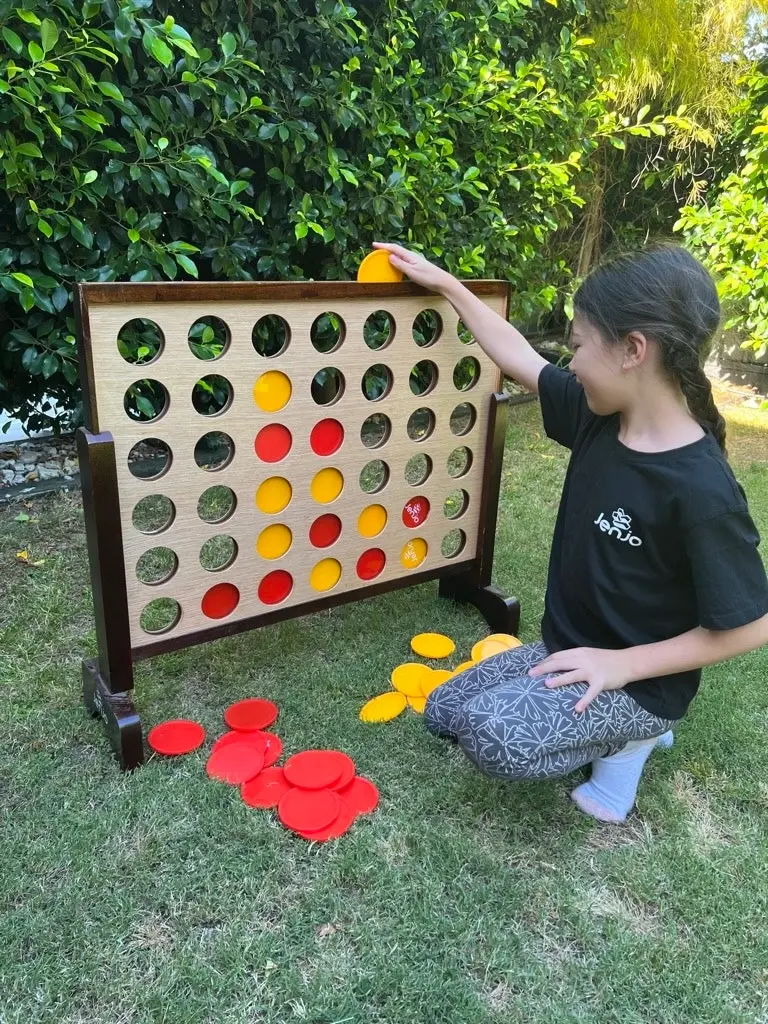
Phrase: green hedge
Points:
(275, 141)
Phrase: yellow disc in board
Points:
(274, 541)
(462, 668)
(272, 391)
(327, 485)
(414, 553)
(407, 678)
(372, 521)
(325, 575)
(384, 707)
(432, 645)
(377, 268)
(273, 495)
(436, 677)
(417, 703)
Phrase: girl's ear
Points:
(636, 350)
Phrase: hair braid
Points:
(684, 363)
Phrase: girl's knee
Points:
(497, 745)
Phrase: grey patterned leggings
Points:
(512, 727)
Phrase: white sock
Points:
(610, 793)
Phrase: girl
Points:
(654, 570)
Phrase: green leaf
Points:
(228, 44)
(28, 149)
(49, 34)
(185, 46)
(35, 52)
(28, 16)
(110, 90)
(27, 299)
(83, 234)
(186, 264)
(134, 235)
(23, 279)
(15, 42)
(50, 365)
(89, 177)
(301, 230)
(44, 227)
(162, 143)
(162, 52)
(208, 335)
(642, 112)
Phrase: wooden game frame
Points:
(108, 679)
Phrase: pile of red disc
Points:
(317, 793)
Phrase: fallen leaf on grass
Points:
(23, 558)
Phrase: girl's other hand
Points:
(418, 269)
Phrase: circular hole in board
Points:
(272, 391)
(427, 327)
(160, 615)
(214, 451)
(423, 377)
(146, 400)
(466, 337)
(212, 395)
(371, 564)
(456, 504)
(274, 495)
(372, 521)
(462, 419)
(153, 513)
(466, 373)
(327, 386)
(421, 424)
(326, 437)
(415, 511)
(218, 553)
(216, 504)
(459, 462)
(275, 587)
(156, 566)
(208, 337)
(274, 541)
(379, 329)
(325, 575)
(377, 382)
(140, 341)
(325, 531)
(327, 332)
(418, 469)
(273, 443)
(374, 476)
(149, 459)
(375, 430)
(270, 336)
(453, 543)
(220, 601)
(414, 553)
(327, 485)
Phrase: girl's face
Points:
(598, 368)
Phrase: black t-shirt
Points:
(647, 545)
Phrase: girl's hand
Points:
(418, 269)
(599, 669)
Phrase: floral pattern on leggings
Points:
(512, 727)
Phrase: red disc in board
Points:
(220, 600)
(327, 437)
(361, 795)
(235, 763)
(251, 714)
(275, 587)
(338, 827)
(305, 810)
(256, 737)
(266, 790)
(325, 531)
(371, 564)
(316, 769)
(273, 748)
(416, 511)
(180, 736)
(273, 442)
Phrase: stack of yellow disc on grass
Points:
(496, 643)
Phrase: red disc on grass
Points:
(347, 774)
(251, 714)
(266, 790)
(371, 563)
(220, 601)
(273, 748)
(415, 511)
(275, 587)
(325, 531)
(361, 795)
(256, 737)
(181, 736)
(305, 810)
(273, 442)
(235, 763)
(316, 769)
(327, 437)
(342, 823)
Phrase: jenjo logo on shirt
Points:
(620, 528)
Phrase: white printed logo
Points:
(620, 528)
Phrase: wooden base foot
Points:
(501, 613)
(118, 714)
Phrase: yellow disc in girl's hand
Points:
(432, 645)
(384, 707)
(377, 268)
(407, 678)
(417, 703)
(436, 677)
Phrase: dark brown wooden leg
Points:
(501, 613)
(118, 715)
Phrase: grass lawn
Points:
(161, 897)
